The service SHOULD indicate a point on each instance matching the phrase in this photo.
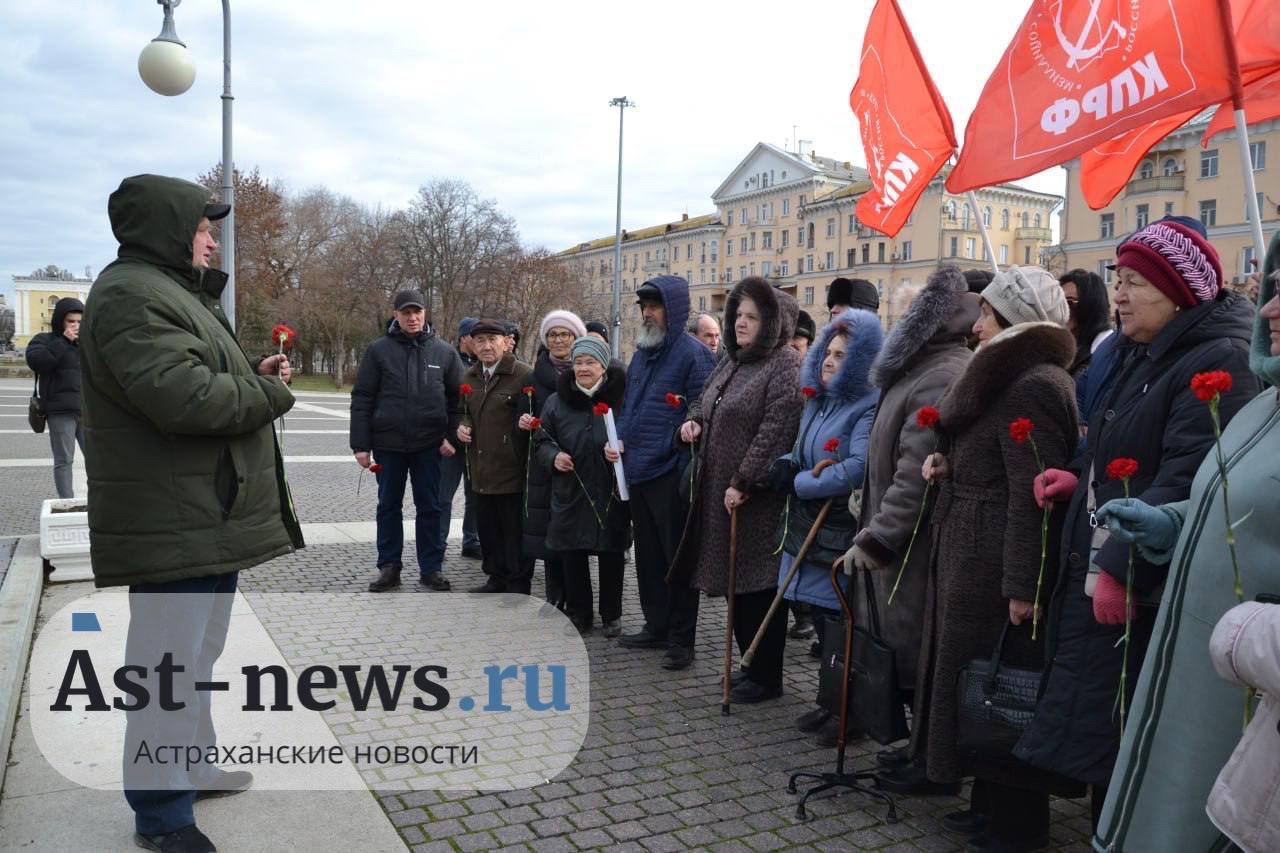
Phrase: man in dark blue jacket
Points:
(667, 361)
(403, 404)
(55, 358)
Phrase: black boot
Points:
(388, 577)
(185, 840)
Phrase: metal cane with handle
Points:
(795, 567)
(733, 585)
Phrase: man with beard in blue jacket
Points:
(667, 361)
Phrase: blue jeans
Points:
(451, 474)
(423, 467)
(188, 619)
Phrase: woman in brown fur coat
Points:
(746, 418)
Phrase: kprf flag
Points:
(1081, 72)
(906, 130)
(1106, 168)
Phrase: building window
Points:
(766, 240)
(851, 258)
(753, 241)
(742, 273)
(784, 268)
(1104, 270)
(808, 296)
(1025, 219)
(1107, 226)
(1209, 212)
(1141, 216)
(786, 207)
(906, 250)
(968, 247)
(702, 276)
(1168, 208)
(767, 268)
(1004, 219)
(852, 222)
(1037, 220)
(1258, 155)
(800, 236)
(730, 218)
(831, 260)
(1246, 206)
(1170, 167)
(702, 303)
(986, 216)
(808, 263)
(715, 250)
(831, 227)
(955, 246)
(751, 268)
(880, 252)
(728, 248)
(866, 253)
(1026, 254)
(964, 218)
(743, 215)
(1004, 254)
(1209, 163)
(786, 238)
(742, 246)
(986, 256)
(801, 201)
(1146, 170)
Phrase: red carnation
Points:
(928, 417)
(283, 335)
(1121, 468)
(673, 400)
(832, 445)
(536, 423)
(464, 389)
(528, 389)
(375, 468)
(809, 391)
(1206, 386)
(1020, 430)
(601, 409)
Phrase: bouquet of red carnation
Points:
(927, 417)
(1122, 468)
(1020, 431)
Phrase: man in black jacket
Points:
(403, 404)
(55, 357)
(452, 467)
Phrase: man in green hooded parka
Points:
(186, 482)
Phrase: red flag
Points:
(1261, 102)
(906, 130)
(1081, 72)
(1105, 170)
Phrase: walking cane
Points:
(728, 631)
(795, 567)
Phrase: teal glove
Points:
(1153, 530)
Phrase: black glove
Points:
(782, 476)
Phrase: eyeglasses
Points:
(559, 336)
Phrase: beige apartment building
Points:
(1180, 177)
(35, 297)
(790, 217)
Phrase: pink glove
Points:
(1054, 485)
(1108, 601)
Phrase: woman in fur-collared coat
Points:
(986, 533)
(745, 419)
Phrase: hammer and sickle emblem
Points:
(1078, 52)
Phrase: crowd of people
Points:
(1018, 482)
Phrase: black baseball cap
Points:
(649, 292)
(410, 298)
(216, 210)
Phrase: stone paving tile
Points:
(661, 769)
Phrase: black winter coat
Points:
(1147, 413)
(538, 492)
(569, 424)
(405, 397)
(56, 362)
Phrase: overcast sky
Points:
(372, 99)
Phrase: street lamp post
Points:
(166, 67)
(616, 338)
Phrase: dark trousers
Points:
(65, 432)
(498, 521)
(577, 585)
(657, 517)
(749, 610)
(1013, 814)
(452, 469)
(553, 574)
(187, 619)
(423, 467)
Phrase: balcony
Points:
(949, 224)
(1156, 184)
(1036, 235)
(654, 266)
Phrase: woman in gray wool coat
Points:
(746, 418)
(987, 543)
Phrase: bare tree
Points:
(538, 282)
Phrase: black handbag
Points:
(875, 702)
(35, 409)
(996, 704)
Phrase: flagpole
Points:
(982, 226)
(1242, 134)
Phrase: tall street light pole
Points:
(615, 339)
(167, 68)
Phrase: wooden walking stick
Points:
(795, 567)
(728, 631)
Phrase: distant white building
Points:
(34, 299)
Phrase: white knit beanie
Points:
(1027, 295)
(564, 320)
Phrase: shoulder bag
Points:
(36, 416)
(996, 704)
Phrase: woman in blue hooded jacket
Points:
(839, 409)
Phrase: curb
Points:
(19, 602)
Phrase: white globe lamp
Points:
(165, 64)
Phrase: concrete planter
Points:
(64, 539)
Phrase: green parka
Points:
(185, 477)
